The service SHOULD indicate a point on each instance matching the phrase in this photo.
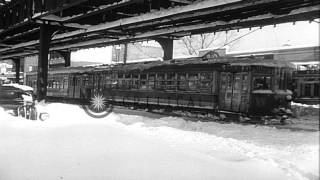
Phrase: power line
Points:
(236, 39)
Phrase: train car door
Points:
(72, 81)
(77, 84)
(236, 92)
(233, 91)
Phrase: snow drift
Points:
(72, 145)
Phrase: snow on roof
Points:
(19, 86)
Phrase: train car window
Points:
(127, 83)
(160, 81)
(135, 81)
(244, 82)
(97, 81)
(66, 85)
(100, 81)
(107, 76)
(143, 81)
(107, 80)
(205, 82)
(120, 81)
(316, 90)
(170, 81)
(128, 76)
(135, 76)
(78, 81)
(85, 81)
(182, 81)
(120, 75)
(262, 82)
(237, 83)
(59, 84)
(229, 81)
(307, 90)
(151, 80)
(193, 81)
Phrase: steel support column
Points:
(125, 54)
(42, 80)
(17, 69)
(167, 46)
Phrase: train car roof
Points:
(141, 66)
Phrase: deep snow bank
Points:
(72, 145)
(305, 109)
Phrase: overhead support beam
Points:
(61, 8)
(99, 10)
(125, 14)
(190, 19)
(58, 23)
(5, 45)
(19, 35)
(181, 1)
(167, 46)
(42, 79)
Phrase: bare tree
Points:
(194, 43)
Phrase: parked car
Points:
(19, 99)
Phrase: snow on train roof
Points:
(232, 61)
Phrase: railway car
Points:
(234, 85)
(306, 82)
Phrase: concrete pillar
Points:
(42, 79)
(167, 46)
(125, 53)
(67, 57)
(17, 69)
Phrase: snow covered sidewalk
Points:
(72, 145)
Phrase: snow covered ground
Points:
(72, 145)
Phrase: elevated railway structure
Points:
(39, 26)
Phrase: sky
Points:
(298, 34)
(301, 33)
